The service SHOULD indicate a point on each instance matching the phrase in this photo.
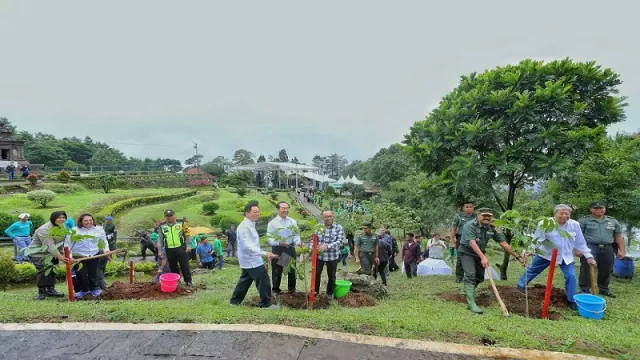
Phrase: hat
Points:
(108, 218)
(169, 212)
(485, 211)
(596, 205)
(23, 215)
(367, 224)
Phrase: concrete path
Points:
(313, 209)
(197, 341)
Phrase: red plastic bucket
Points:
(169, 282)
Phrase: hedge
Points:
(145, 181)
(7, 219)
(124, 205)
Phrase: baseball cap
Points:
(596, 204)
(485, 211)
(169, 212)
(23, 215)
(108, 218)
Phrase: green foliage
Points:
(238, 179)
(64, 176)
(145, 266)
(242, 191)
(117, 268)
(223, 221)
(127, 204)
(24, 272)
(37, 220)
(243, 157)
(210, 208)
(6, 220)
(385, 213)
(274, 196)
(356, 191)
(32, 179)
(7, 271)
(42, 197)
(107, 182)
(231, 261)
(64, 188)
(210, 196)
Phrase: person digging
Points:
(474, 238)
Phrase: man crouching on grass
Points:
(250, 259)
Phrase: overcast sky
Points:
(312, 77)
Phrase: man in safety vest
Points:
(173, 236)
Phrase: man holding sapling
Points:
(567, 237)
(282, 235)
(471, 251)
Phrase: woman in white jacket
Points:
(87, 275)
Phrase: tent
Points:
(494, 274)
(430, 267)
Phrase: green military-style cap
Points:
(485, 211)
(367, 224)
(596, 205)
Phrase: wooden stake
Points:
(592, 273)
(495, 291)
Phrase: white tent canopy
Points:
(431, 267)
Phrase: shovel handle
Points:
(592, 274)
(495, 291)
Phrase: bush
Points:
(127, 204)
(117, 268)
(64, 176)
(199, 183)
(25, 272)
(42, 197)
(7, 271)
(210, 196)
(210, 207)
(231, 261)
(64, 188)
(263, 221)
(242, 191)
(3, 190)
(61, 272)
(32, 179)
(224, 221)
(274, 196)
(107, 182)
(145, 266)
(37, 220)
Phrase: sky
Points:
(348, 77)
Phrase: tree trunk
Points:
(508, 235)
(629, 234)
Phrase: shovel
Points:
(495, 291)
(592, 275)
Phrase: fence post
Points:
(131, 272)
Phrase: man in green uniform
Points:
(111, 231)
(366, 249)
(467, 215)
(473, 244)
(603, 236)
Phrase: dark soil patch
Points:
(357, 300)
(514, 300)
(142, 291)
(296, 301)
(487, 342)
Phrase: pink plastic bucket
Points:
(169, 282)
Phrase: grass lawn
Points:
(413, 311)
(74, 204)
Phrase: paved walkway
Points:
(197, 341)
(313, 209)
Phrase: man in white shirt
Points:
(250, 260)
(565, 246)
(436, 247)
(283, 236)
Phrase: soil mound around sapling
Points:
(142, 291)
(296, 301)
(357, 300)
(514, 300)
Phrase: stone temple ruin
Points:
(11, 149)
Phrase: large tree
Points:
(514, 125)
(261, 159)
(282, 156)
(243, 157)
(390, 164)
(194, 161)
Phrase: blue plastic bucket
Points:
(590, 306)
(623, 268)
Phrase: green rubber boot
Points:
(470, 293)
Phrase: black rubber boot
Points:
(41, 294)
(51, 291)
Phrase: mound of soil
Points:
(357, 300)
(296, 301)
(143, 291)
(514, 300)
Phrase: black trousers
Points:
(177, 256)
(381, 268)
(147, 245)
(459, 268)
(410, 269)
(87, 276)
(393, 266)
(248, 276)
(44, 281)
(208, 265)
(332, 267)
(276, 276)
(604, 257)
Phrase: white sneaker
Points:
(272, 307)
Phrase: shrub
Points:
(231, 261)
(224, 221)
(263, 221)
(64, 176)
(210, 196)
(7, 271)
(42, 197)
(3, 191)
(274, 196)
(60, 271)
(25, 272)
(199, 182)
(210, 207)
(242, 191)
(117, 268)
(127, 204)
(107, 182)
(64, 188)
(6, 220)
(37, 220)
(145, 266)
(32, 179)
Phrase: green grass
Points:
(74, 204)
(412, 311)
